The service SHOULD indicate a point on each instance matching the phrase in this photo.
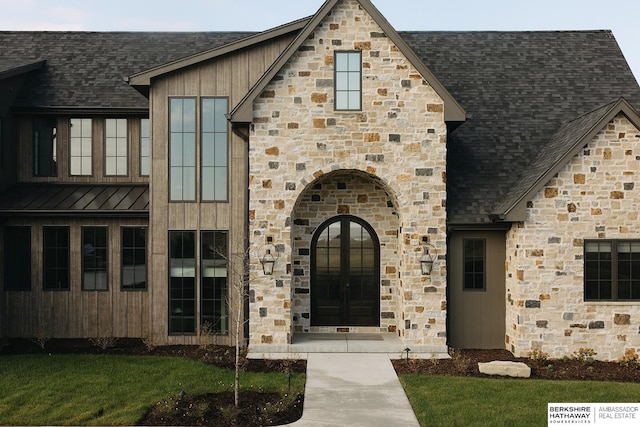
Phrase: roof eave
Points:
(517, 211)
(142, 80)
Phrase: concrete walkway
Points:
(354, 389)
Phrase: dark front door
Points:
(345, 274)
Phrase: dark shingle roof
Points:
(516, 88)
(76, 199)
(566, 141)
(87, 69)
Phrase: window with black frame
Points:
(214, 149)
(17, 258)
(214, 316)
(55, 254)
(348, 81)
(145, 148)
(81, 147)
(95, 258)
(116, 147)
(45, 162)
(182, 282)
(182, 149)
(474, 264)
(134, 259)
(611, 270)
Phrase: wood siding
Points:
(228, 76)
(75, 313)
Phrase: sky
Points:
(619, 16)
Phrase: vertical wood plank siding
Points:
(75, 313)
(229, 76)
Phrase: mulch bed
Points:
(263, 409)
(465, 363)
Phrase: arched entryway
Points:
(345, 273)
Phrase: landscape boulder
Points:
(505, 369)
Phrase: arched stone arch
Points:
(358, 194)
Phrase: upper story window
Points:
(116, 147)
(185, 152)
(45, 161)
(145, 149)
(214, 149)
(182, 152)
(81, 147)
(474, 264)
(348, 80)
(611, 270)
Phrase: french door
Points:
(345, 274)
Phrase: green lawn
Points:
(461, 401)
(109, 390)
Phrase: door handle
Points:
(347, 285)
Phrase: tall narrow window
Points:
(474, 264)
(94, 258)
(17, 258)
(134, 258)
(145, 149)
(44, 147)
(182, 126)
(214, 317)
(598, 270)
(116, 147)
(55, 242)
(81, 147)
(628, 253)
(348, 80)
(182, 282)
(214, 149)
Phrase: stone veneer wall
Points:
(595, 196)
(398, 138)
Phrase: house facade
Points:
(349, 154)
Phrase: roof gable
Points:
(142, 80)
(243, 112)
(569, 139)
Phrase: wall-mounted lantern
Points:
(426, 261)
(268, 261)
